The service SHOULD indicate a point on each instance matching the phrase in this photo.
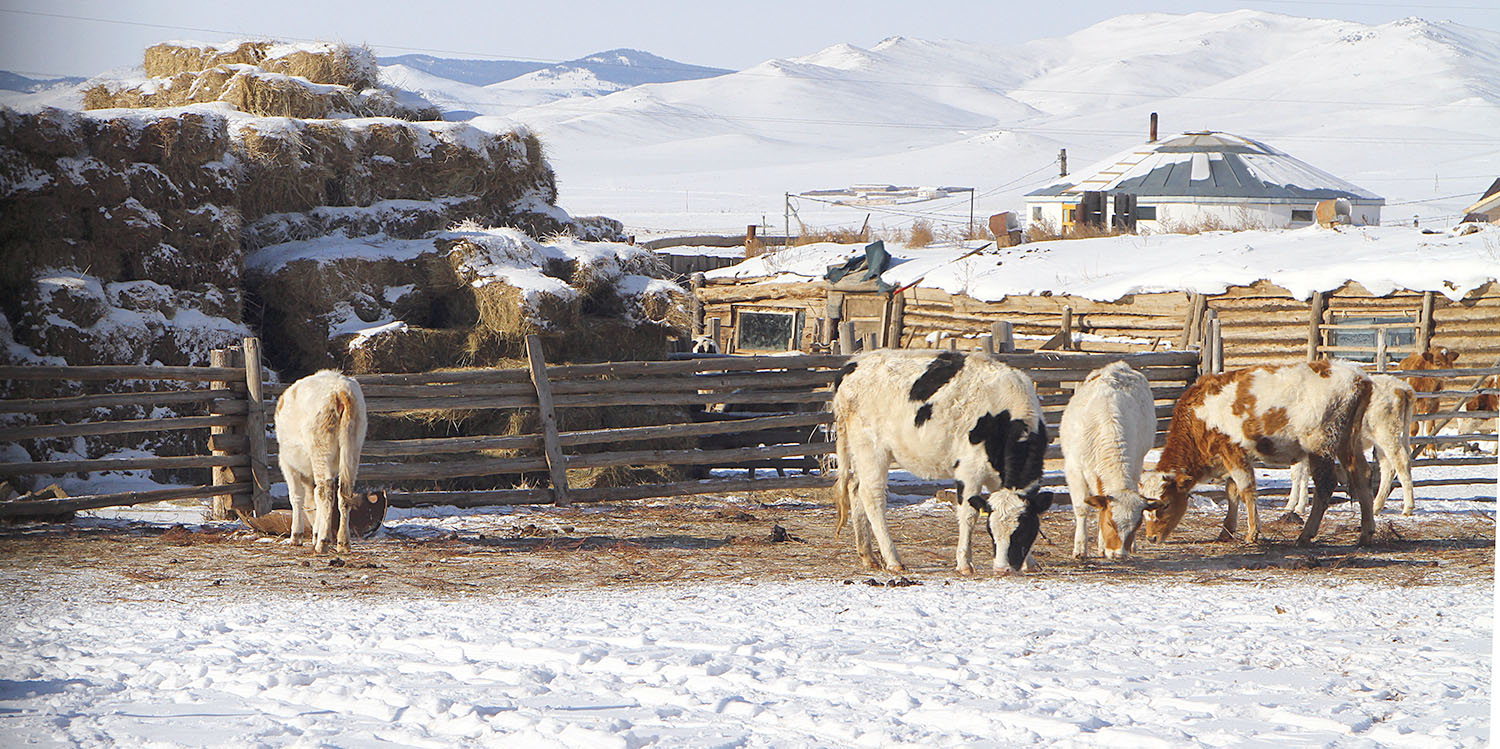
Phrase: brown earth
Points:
(697, 540)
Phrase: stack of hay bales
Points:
(263, 78)
(141, 196)
(463, 297)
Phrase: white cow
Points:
(1107, 428)
(320, 427)
(1387, 428)
(942, 415)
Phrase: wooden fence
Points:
(748, 413)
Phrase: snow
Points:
(1303, 261)
(1018, 661)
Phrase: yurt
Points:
(1199, 180)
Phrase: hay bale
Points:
(325, 62)
(407, 350)
(275, 95)
(168, 59)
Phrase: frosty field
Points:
(682, 623)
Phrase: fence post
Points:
(1315, 318)
(1005, 342)
(1067, 329)
(846, 338)
(896, 327)
(1426, 326)
(695, 303)
(1192, 327)
(987, 343)
(1380, 345)
(255, 429)
(1216, 335)
(556, 466)
(713, 334)
(223, 504)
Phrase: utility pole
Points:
(1062, 160)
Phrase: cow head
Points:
(1168, 495)
(1015, 526)
(1119, 518)
(1439, 357)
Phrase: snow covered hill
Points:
(1405, 109)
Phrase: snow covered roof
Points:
(1205, 165)
(1381, 258)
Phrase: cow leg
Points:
(346, 503)
(967, 513)
(1296, 501)
(1359, 487)
(1401, 464)
(300, 492)
(324, 496)
(872, 492)
(1323, 482)
(1231, 515)
(1078, 492)
(861, 529)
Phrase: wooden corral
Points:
(1261, 323)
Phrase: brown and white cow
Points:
(1485, 401)
(1385, 429)
(1279, 415)
(1107, 428)
(1435, 357)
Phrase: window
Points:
(1353, 338)
(1302, 215)
(1036, 213)
(1145, 213)
(768, 330)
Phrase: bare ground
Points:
(701, 539)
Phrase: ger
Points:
(970, 418)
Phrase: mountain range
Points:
(1407, 109)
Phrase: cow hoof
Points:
(1225, 535)
(342, 548)
(868, 563)
(965, 570)
(896, 568)
(1304, 541)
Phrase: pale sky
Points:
(85, 37)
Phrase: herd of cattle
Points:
(975, 420)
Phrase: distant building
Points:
(1197, 180)
(1487, 208)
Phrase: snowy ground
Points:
(1054, 659)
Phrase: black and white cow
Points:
(942, 415)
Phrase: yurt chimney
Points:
(1153, 128)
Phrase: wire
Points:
(1431, 200)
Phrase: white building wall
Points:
(1179, 215)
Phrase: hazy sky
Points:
(84, 37)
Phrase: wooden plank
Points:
(122, 464)
(119, 372)
(1315, 311)
(706, 364)
(122, 499)
(1473, 460)
(222, 506)
(1454, 439)
(1479, 372)
(440, 445)
(483, 375)
(668, 431)
(556, 467)
(445, 469)
(111, 400)
(94, 428)
(255, 428)
(696, 457)
(685, 399)
(451, 403)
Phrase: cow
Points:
(970, 418)
(1107, 428)
(320, 427)
(1484, 401)
(1385, 428)
(1280, 415)
(1435, 357)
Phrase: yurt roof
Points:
(1207, 165)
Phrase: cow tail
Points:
(350, 434)
(845, 481)
(1406, 406)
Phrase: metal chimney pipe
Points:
(1153, 128)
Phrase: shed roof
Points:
(1208, 164)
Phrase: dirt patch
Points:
(773, 536)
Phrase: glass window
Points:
(769, 330)
(1145, 213)
(1302, 215)
(1357, 334)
